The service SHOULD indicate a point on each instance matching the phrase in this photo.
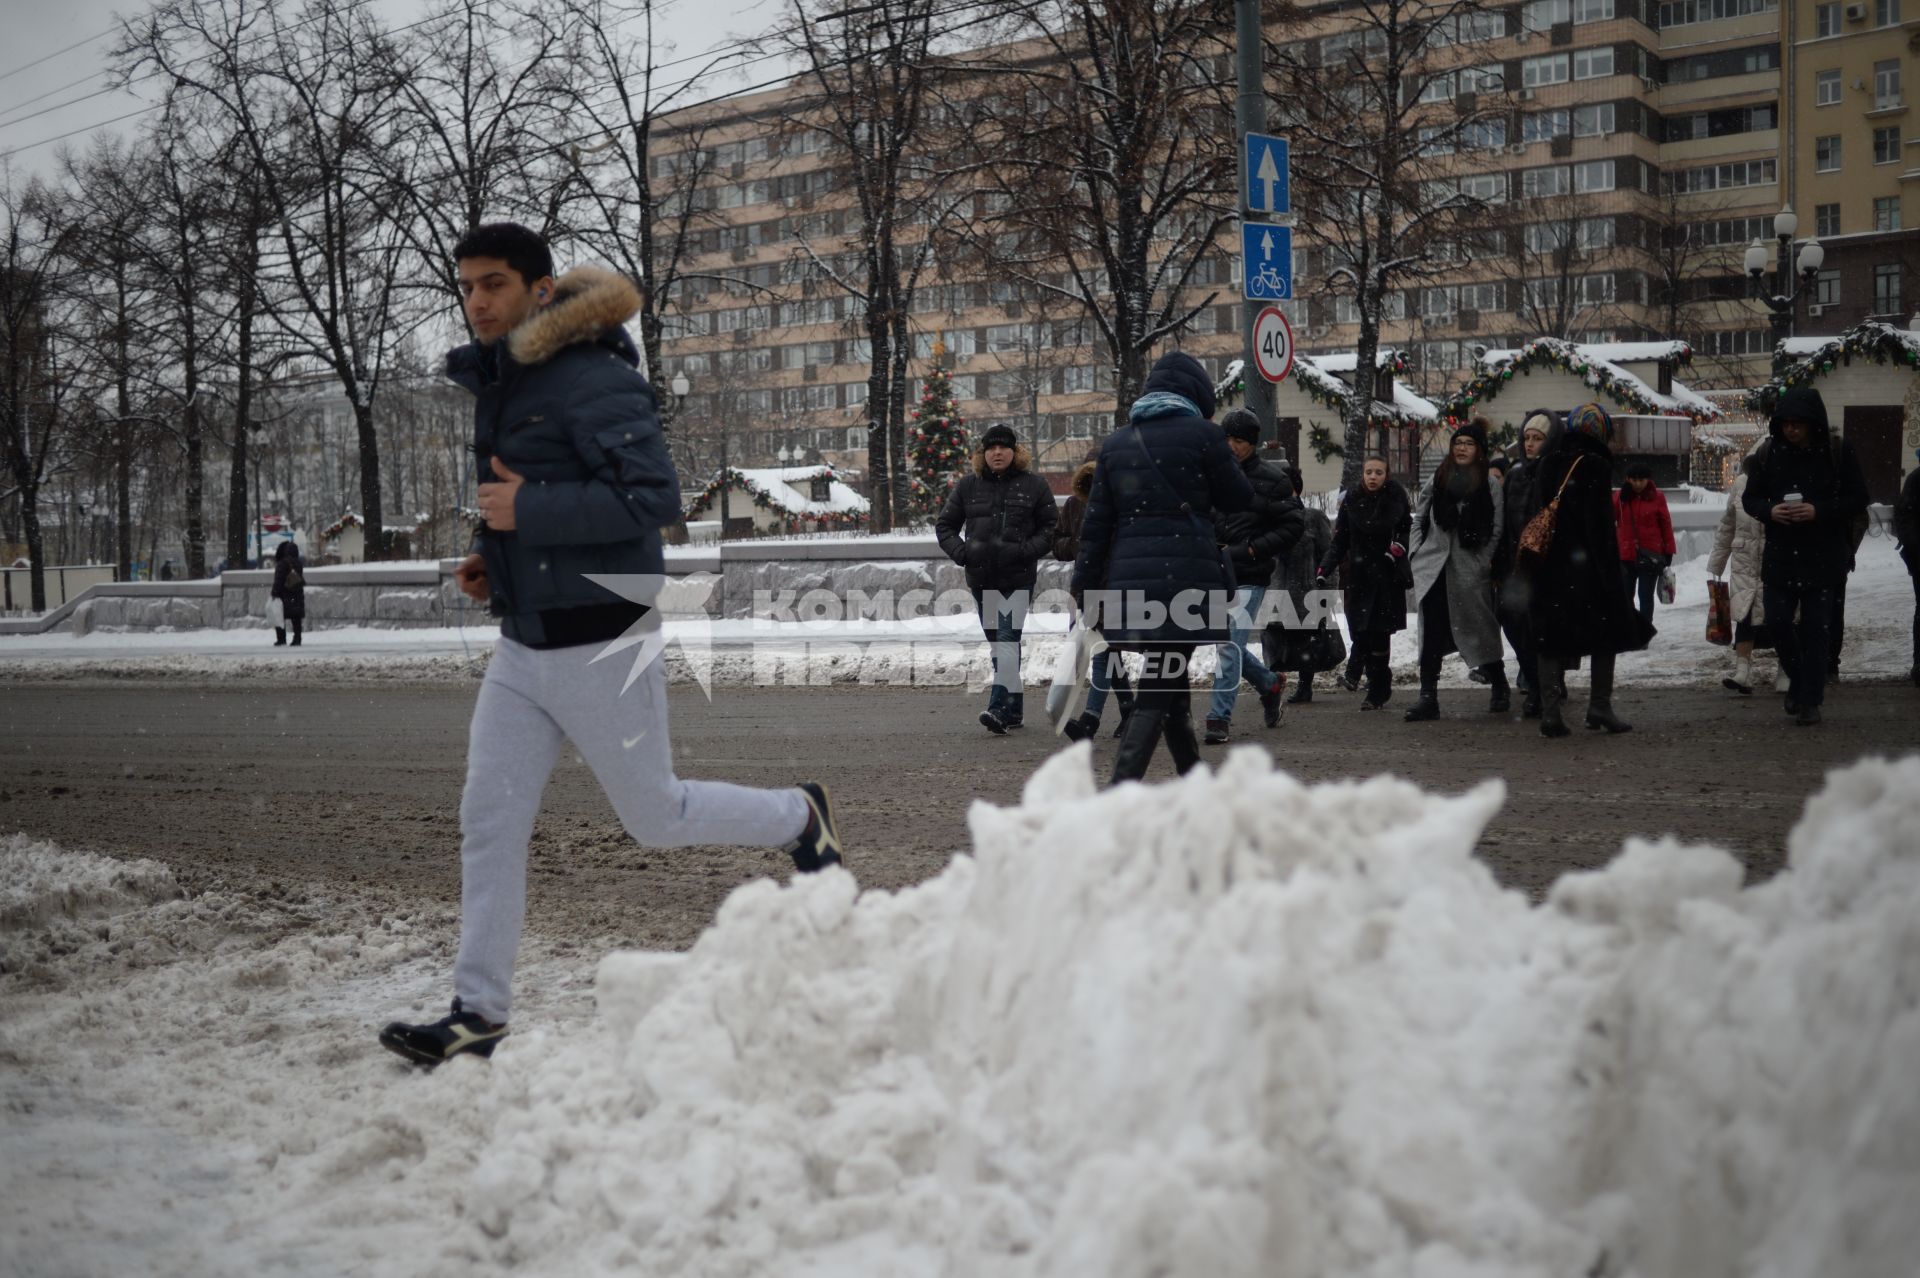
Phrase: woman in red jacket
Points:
(1646, 534)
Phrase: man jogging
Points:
(574, 480)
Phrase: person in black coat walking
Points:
(1521, 502)
(1147, 548)
(1370, 536)
(1906, 530)
(1575, 607)
(290, 588)
(1258, 539)
(1807, 489)
(997, 524)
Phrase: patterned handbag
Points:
(1537, 536)
(1719, 614)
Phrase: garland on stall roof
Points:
(1556, 355)
(340, 525)
(1872, 340)
(1323, 388)
(764, 500)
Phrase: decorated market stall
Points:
(1310, 409)
(780, 501)
(1869, 378)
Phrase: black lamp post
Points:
(1781, 302)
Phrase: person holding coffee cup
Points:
(1807, 489)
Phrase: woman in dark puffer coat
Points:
(1575, 607)
(1147, 545)
(1371, 534)
(290, 588)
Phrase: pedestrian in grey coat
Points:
(1456, 530)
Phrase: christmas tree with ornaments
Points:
(937, 441)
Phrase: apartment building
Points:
(1648, 133)
(1853, 172)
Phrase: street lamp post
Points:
(1781, 302)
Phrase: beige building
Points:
(1854, 175)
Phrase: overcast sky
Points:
(66, 93)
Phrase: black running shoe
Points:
(819, 844)
(459, 1032)
(993, 723)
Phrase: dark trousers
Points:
(1803, 644)
(1837, 629)
(1007, 698)
(1641, 578)
(1913, 569)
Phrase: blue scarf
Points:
(1162, 404)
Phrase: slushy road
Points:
(322, 786)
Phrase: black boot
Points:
(1501, 699)
(1379, 683)
(1600, 701)
(279, 636)
(1178, 728)
(1350, 678)
(1428, 706)
(1530, 703)
(296, 632)
(1551, 692)
(1141, 734)
(1302, 691)
(1081, 728)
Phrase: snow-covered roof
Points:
(792, 487)
(1406, 406)
(1799, 360)
(1600, 366)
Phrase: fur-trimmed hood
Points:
(1022, 460)
(589, 304)
(1083, 482)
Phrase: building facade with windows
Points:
(1853, 166)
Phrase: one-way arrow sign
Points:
(1266, 169)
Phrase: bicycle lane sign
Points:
(1266, 259)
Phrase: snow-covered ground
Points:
(1879, 645)
(1151, 1031)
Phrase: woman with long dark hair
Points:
(290, 588)
(1370, 535)
(1575, 606)
(1456, 531)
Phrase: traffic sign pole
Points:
(1250, 116)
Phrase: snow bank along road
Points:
(1153, 1031)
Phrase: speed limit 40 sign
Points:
(1273, 344)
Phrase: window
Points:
(1886, 290)
(1595, 233)
(1547, 238)
(1594, 289)
(1708, 66)
(1591, 64)
(1826, 19)
(1592, 10)
(1490, 79)
(1886, 146)
(1537, 72)
(1484, 135)
(1886, 13)
(1826, 88)
(1680, 13)
(1826, 220)
(1544, 125)
(1720, 177)
(1826, 154)
(1538, 183)
(1594, 175)
(1438, 89)
(1436, 139)
(1886, 84)
(1489, 188)
(1593, 121)
(820, 488)
(1539, 15)
(1826, 288)
(1886, 213)
(1436, 303)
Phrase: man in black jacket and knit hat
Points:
(998, 524)
(1258, 538)
(1807, 489)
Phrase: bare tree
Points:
(33, 380)
(1105, 140)
(315, 98)
(868, 76)
(1548, 250)
(1378, 112)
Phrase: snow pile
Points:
(1241, 1026)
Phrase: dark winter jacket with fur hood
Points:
(998, 525)
(561, 400)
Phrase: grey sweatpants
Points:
(531, 702)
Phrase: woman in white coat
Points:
(1737, 548)
(1455, 533)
